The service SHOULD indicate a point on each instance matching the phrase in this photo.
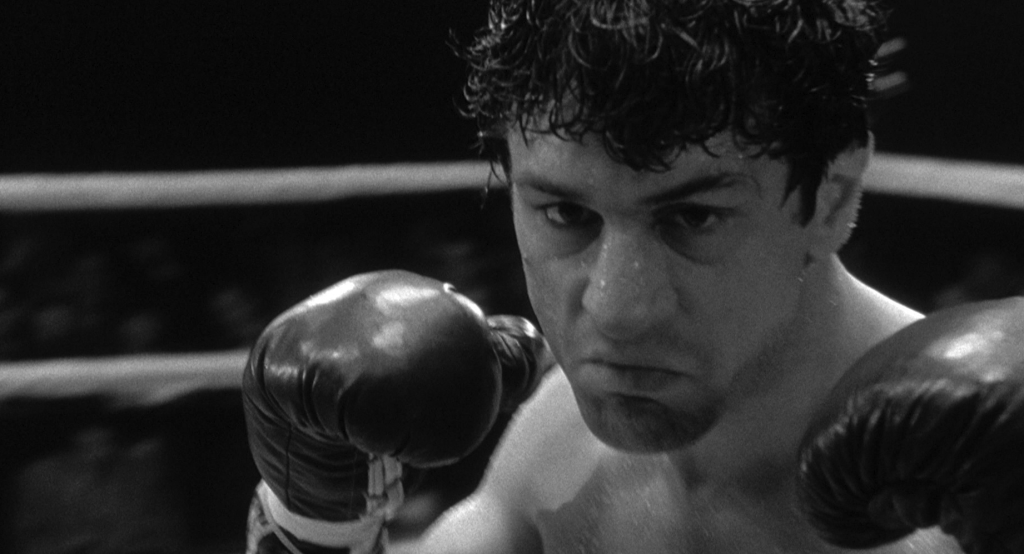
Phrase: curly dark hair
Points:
(790, 78)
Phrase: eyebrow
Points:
(715, 181)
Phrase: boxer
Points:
(682, 175)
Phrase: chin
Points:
(643, 425)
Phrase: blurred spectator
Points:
(987, 275)
(97, 495)
(139, 332)
(235, 317)
(52, 329)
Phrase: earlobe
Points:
(839, 198)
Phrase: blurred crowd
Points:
(137, 295)
(988, 274)
(111, 283)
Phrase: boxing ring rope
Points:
(1000, 185)
(54, 192)
(968, 182)
(153, 378)
(136, 380)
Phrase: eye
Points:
(567, 214)
(701, 232)
(695, 218)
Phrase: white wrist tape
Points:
(365, 535)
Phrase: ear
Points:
(839, 198)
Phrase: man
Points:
(683, 173)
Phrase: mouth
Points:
(627, 379)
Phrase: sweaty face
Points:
(662, 293)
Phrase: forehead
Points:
(547, 158)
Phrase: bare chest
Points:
(640, 507)
(604, 519)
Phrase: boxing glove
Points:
(381, 369)
(927, 429)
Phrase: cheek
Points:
(756, 293)
(552, 282)
(769, 294)
(774, 260)
(550, 297)
(542, 283)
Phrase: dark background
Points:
(965, 63)
(127, 85)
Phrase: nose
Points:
(629, 290)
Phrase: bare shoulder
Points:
(547, 452)
(544, 451)
(886, 315)
(932, 541)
